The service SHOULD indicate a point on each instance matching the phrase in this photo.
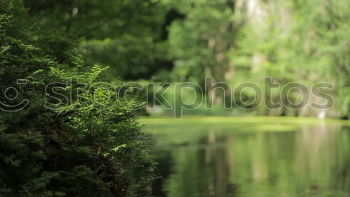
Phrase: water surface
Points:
(251, 157)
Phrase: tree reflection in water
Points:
(313, 160)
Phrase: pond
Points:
(251, 157)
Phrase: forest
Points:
(95, 94)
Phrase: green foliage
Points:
(87, 145)
(129, 56)
(126, 35)
(240, 41)
(200, 42)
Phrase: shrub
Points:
(88, 144)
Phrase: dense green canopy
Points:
(56, 143)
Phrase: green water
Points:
(251, 157)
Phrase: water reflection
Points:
(224, 162)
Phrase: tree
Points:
(125, 35)
(201, 42)
(87, 145)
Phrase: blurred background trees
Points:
(237, 41)
(125, 35)
(231, 41)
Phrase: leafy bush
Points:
(64, 144)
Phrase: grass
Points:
(241, 120)
(176, 131)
